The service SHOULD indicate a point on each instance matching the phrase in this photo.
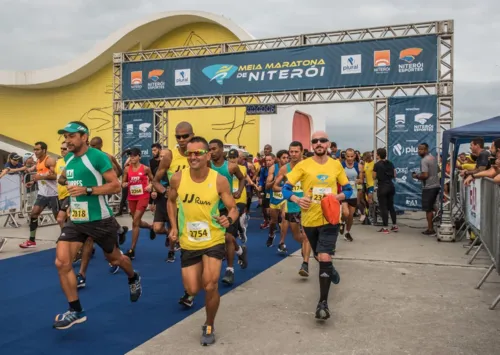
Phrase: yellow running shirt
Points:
(179, 162)
(318, 180)
(197, 203)
(62, 191)
(236, 185)
(369, 173)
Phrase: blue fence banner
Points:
(366, 63)
(412, 121)
(138, 131)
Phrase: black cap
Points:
(135, 151)
(15, 156)
(233, 153)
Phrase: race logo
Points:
(155, 80)
(350, 64)
(182, 77)
(410, 57)
(136, 80)
(411, 202)
(219, 72)
(130, 128)
(399, 150)
(143, 128)
(421, 119)
(322, 178)
(382, 61)
(70, 174)
(400, 123)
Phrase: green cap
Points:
(73, 128)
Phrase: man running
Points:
(233, 157)
(89, 177)
(62, 191)
(47, 190)
(137, 180)
(228, 170)
(368, 165)
(292, 214)
(354, 172)
(277, 203)
(154, 163)
(195, 194)
(319, 175)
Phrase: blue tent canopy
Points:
(488, 129)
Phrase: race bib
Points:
(198, 232)
(136, 190)
(268, 195)
(79, 211)
(297, 187)
(278, 195)
(319, 192)
(235, 189)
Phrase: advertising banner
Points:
(138, 131)
(10, 192)
(367, 63)
(412, 121)
(473, 204)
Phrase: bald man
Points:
(96, 143)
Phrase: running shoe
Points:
(335, 276)
(243, 235)
(282, 248)
(170, 257)
(135, 288)
(270, 240)
(322, 311)
(342, 228)
(187, 300)
(27, 244)
(384, 230)
(122, 236)
(243, 258)
(395, 228)
(348, 237)
(81, 281)
(304, 270)
(69, 318)
(264, 225)
(228, 278)
(207, 337)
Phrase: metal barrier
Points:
(482, 214)
(11, 198)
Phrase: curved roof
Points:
(145, 31)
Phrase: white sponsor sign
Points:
(473, 203)
(10, 192)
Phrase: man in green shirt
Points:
(89, 176)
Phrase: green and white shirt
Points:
(87, 170)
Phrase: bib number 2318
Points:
(80, 211)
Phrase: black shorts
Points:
(429, 197)
(266, 202)
(353, 202)
(233, 228)
(323, 239)
(103, 232)
(293, 217)
(193, 257)
(64, 204)
(48, 201)
(161, 209)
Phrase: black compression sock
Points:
(133, 278)
(75, 306)
(325, 279)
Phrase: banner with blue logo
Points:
(412, 121)
(138, 131)
(367, 63)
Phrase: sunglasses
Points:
(182, 136)
(64, 148)
(320, 140)
(196, 152)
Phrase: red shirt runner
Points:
(137, 183)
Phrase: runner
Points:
(197, 192)
(137, 179)
(368, 165)
(89, 177)
(319, 176)
(62, 191)
(269, 161)
(47, 190)
(228, 170)
(292, 214)
(277, 204)
(234, 157)
(154, 163)
(354, 172)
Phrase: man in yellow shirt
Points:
(62, 190)
(319, 176)
(193, 211)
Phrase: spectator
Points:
(483, 157)
(494, 170)
(13, 166)
(385, 173)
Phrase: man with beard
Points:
(319, 176)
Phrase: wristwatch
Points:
(89, 191)
(230, 220)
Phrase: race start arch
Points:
(405, 71)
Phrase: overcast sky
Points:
(45, 33)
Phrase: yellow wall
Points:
(33, 115)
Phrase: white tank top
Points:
(47, 188)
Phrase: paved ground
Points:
(399, 294)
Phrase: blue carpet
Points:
(31, 297)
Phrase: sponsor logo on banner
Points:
(350, 64)
(136, 80)
(411, 62)
(412, 202)
(421, 119)
(399, 150)
(143, 128)
(155, 80)
(382, 61)
(130, 129)
(182, 77)
(401, 180)
(400, 123)
(220, 72)
(402, 171)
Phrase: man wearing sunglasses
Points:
(229, 170)
(319, 176)
(173, 160)
(194, 197)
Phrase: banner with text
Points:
(10, 192)
(366, 63)
(138, 131)
(412, 121)
(473, 204)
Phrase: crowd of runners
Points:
(200, 196)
